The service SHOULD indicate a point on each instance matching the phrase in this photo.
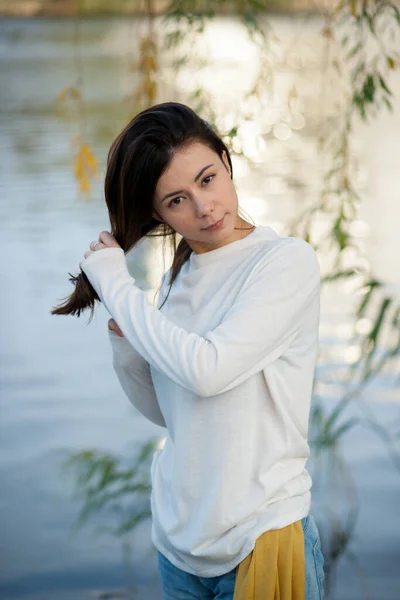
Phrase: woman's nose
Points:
(203, 206)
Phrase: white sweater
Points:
(227, 366)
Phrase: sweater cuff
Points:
(105, 266)
(105, 256)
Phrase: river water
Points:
(58, 389)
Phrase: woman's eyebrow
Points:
(195, 179)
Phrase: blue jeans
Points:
(179, 585)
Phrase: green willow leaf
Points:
(371, 340)
(371, 285)
(345, 427)
(384, 86)
(338, 275)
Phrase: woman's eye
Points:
(174, 200)
(205, 180)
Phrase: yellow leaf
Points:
(84, 184)
(149, 63)
(75, 93)
(339, 7)
(293, 94)
(62, 95)
(391, 62)
(92, 162)
(85, 166)
(68, 91)
(328, 33)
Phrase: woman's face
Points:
(194, 192)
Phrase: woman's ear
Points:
(226, 162)
(155, 216)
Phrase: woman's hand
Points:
(106, 240)
(112, 325)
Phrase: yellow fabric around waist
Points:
(275, 569)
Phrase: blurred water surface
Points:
(59, 391)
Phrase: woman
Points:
(225, 363)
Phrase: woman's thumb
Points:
(114, 327)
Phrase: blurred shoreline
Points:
(71, 8)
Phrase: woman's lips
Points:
(216, 226)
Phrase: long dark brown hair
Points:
(136, 160)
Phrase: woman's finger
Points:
(97, 245)
(108, 240)
(112, 325)
(94, 246)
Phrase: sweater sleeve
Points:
(254, 332)
(134, 375)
